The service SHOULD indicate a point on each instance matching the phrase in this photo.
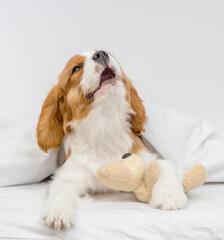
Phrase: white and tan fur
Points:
(101, 131)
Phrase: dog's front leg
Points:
(168, 193)
(63, 198)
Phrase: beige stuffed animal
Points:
(128, 176)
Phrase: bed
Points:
(184, 140)
(114, 216)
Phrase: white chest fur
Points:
(102, 137)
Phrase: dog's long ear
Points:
(50, 126)
(138, 119)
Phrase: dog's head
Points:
(87, 79)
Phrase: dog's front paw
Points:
(168, 198)
(59, 216)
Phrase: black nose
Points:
(101, 57)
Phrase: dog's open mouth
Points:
(106, 76)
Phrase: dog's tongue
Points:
(107, 74)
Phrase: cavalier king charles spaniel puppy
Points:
(95, 113)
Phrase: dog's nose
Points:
(101, 57)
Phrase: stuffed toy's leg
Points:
(194, 177)
(144, 191)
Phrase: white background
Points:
(172, 50)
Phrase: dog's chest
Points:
(104, 136)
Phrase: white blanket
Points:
(185, 141)
(21, 160)
(177, 137)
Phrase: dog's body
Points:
(97, 115)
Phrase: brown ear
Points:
(138, 119)
(49, 129)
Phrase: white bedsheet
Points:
(114, 216)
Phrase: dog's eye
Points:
(76, 68)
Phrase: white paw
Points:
(168, 197)
(59, 216)
(168, 193)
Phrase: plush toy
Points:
(128, 176)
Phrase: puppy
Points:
(95, 112)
